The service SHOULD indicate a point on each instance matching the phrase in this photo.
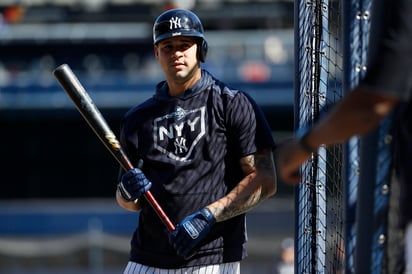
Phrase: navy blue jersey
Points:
(191, 146)
(403, 160)
(390, 54)
(389, 73)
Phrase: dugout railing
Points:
(342, 202)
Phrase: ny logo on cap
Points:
(175, 23)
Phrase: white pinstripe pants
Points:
(228, 268)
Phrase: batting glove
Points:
(191, 231)
(133, 184)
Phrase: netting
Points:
(320, 227)
(342, 203)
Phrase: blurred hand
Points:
(191, 231)
(290, 158)
(134, 184)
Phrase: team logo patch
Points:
(177, 134)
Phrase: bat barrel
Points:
(90, 112)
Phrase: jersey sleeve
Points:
(248, 127)
(128, 148)
(390, 52)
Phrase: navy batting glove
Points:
(191, 231)
(133, 184)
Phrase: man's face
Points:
(177, 57)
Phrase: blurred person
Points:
(207, 153)
(385, 89)
(286, 261)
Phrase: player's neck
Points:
(177, 88)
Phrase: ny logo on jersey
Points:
(176, 134)
(175, 23)
(180, 145)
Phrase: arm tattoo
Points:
(241, 199)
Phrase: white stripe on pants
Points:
(228, 268)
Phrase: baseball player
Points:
(207, 158)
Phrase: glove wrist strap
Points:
(208, 215)
(123, 192)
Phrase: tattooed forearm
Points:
(240, 206)
(258, 184)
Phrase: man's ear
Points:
(156, 52)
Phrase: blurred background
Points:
(57, 207)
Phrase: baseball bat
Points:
(85, 105)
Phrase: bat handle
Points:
(162, 215)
